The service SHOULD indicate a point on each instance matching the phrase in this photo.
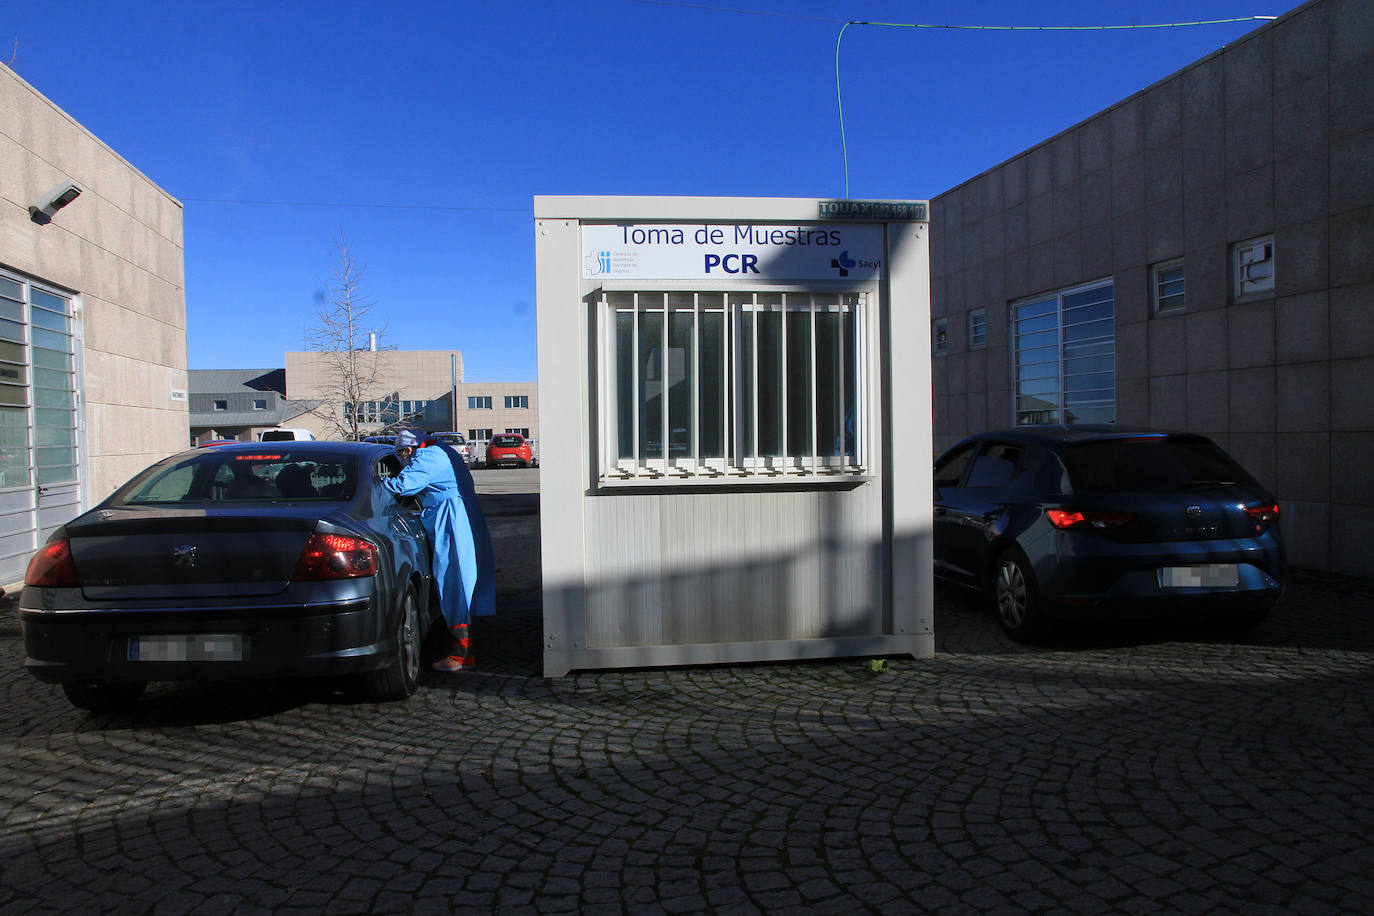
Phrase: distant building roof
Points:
(286, 410)
(222, 381)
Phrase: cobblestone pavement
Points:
(1140, 769)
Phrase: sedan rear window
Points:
(224, 476)
(1151, 465)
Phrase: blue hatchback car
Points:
(1068, 522)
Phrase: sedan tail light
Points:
(52, 567)
(1263, 515)
(335, 556)
(1087, 518)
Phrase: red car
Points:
(509, 449)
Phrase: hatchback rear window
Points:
(506, 440)
(1151, 465)
(225, 476)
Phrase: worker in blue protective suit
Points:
(483, 599)
(429, 474)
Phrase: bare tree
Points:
(346, 340)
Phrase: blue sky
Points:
(422, 130)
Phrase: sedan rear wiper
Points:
(1205, 484)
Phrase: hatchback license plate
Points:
(1214, 575)
(195, 647)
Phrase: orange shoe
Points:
(452, 665)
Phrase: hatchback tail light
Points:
(1087, 518)
(1263, 515)
(335, 556)
(52, 567)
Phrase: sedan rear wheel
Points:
(1014, 593)
(100, 696)
(399, 679)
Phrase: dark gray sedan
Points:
(254, 560)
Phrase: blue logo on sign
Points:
(605, 262)
(843, 263)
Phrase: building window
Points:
(1064, 357)
(733, 383)
(1252, 268)
(517, 401)
(479, 403)
(977, 329)
(939, 333)
(220, 405)
(476, 435)
(1167, 287)
(259, 403)
(37, 386)
(519, 431)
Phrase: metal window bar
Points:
(634, 384)
(663, 384)
(754, 388)
(814, 419)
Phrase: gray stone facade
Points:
(1271, 137)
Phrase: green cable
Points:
(839, 100)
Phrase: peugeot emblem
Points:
(1194, 512)
(184, 555)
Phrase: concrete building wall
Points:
(1271, 136)
(118, 248)
(498, 418)
(409, 375)
(425, 374)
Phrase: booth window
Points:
(732, 384)
(1064, 357)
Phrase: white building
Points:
(742, 439)
(92, 321)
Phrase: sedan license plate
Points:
(1213, 575)
(194, 647)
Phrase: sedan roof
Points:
(309, 447)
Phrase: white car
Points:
(459, 444)
(286, 434)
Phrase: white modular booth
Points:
(736, 430)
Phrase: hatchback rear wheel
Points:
(1015, 598)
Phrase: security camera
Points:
(55, 199)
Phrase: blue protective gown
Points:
(446, 517)
(483, 599)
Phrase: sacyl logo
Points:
(844, 263)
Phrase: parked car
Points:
(236, 562)
(1059, 523)
(510, 449)
(286, 434)
(459, 444)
